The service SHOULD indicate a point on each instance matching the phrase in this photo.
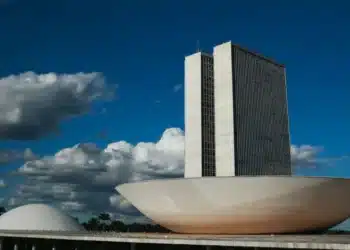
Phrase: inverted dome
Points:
(38, 217)
(242, 204)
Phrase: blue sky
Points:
(140, 46)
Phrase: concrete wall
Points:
(224, 123)
(193, 113)
(242, 204)
(199, 116)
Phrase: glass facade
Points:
(262, 144)
(208, 123)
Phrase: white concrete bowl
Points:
(38, 217)
(242, 205)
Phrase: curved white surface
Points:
(38, 217)
(242, 205)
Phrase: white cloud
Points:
(83, 177)
(305, 155)
(177, 87)
(121, 204)
(308, 156)
(72, 206)
(32, 105)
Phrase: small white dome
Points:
(38, 217)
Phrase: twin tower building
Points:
(236, 114)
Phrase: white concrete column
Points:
(33, 247)
(53, 247)
(15, 247)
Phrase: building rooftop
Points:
(38, 217)
(200, 52)
(255, 54)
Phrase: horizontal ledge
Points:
(339, 242)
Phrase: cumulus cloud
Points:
(83, 177)
(308, 156)
(32, 105)
(305, 155)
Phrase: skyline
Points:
(90, 51)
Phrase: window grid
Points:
(261, 118)
(208, 123)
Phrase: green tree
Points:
(104, 217)
(105, 220)
(93, 224)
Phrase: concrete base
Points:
(139, 241)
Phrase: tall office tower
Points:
(199, 116)
(251, 116)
